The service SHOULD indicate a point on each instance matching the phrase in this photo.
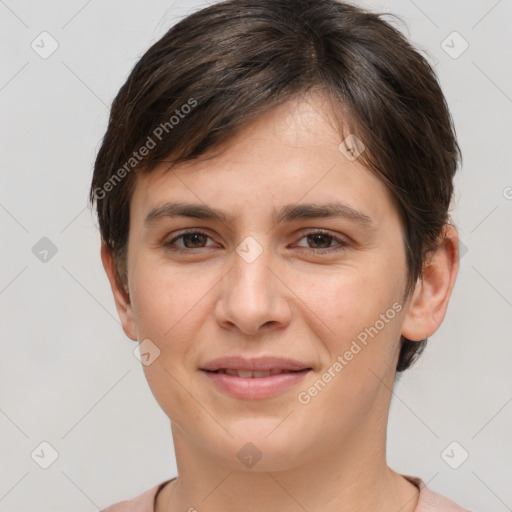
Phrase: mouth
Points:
(254, 367)
(248, 374)
(254, 378)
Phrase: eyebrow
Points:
(286, 213)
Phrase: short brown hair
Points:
(236, 59)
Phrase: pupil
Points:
(193, 236)
(318, 238)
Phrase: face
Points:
(273, 277)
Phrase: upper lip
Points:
(254, 364)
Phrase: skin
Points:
(208, 302)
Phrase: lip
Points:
(257, 364)
(255, 388)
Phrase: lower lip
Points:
(255, 388)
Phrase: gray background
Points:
(68, 375)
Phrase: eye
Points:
(192, 239)
(318, 241)
(324, 240)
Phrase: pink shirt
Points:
(429, 501)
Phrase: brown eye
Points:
(190, 240)
(323, 242)
(194, 240)
(320, 239)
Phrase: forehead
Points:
(291, 154)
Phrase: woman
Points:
(272, 194)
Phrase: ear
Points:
(121, 297)
(427, 306)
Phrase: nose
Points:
(254, 297)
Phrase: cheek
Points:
(166, 297)
(363, 310)
(352, 301)
(168, 307)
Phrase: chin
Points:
(258, 446)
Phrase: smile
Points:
(254, 385)
(247, 374)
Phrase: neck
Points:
(351, 475)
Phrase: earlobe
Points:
(121, 296)
(429, 301)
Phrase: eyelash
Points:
(342, 243)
